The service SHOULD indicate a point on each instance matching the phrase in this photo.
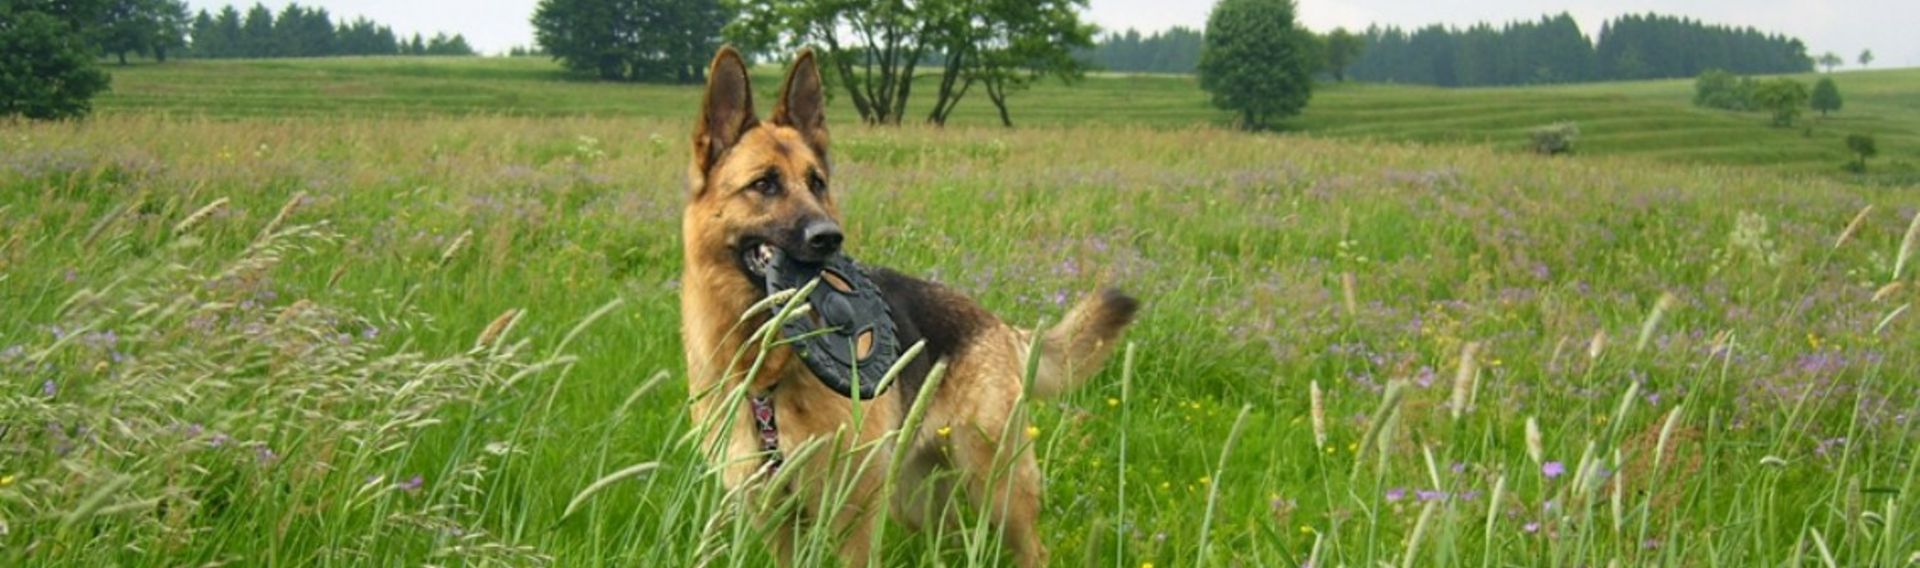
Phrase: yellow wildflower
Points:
(944, 431)
(1113, 402)
(1033, 432)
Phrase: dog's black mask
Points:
(849, 341)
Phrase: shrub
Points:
(1554, 139)
(1783, 97)
(1719, 89)
(1826, 96)
(1862, 146)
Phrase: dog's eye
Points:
(767, 186)
(819, 186)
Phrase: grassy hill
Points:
(1651, 119)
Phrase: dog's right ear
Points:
(727, 112)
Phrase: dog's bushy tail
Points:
(1074, 349)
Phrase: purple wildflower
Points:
(1431, 495)
(1424, 377)
(414, 484)
(1532, 527)
(1553, 469)
(370, 333)
(265, 454)
(1396, 494)
(48, 389)
(218, 440)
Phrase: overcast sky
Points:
(1891, 28)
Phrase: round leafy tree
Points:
(47, 69)
(1257, 62)
(1826, 96)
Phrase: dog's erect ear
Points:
(803, 102)
(727, 111)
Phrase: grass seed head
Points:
(200, 216)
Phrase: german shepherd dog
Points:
(757, 185)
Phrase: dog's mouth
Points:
(759, 258)
(764, 262)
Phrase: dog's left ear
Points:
(803, 102)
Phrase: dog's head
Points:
(761, 188)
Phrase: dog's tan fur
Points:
(977, 402)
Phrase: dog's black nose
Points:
(823, 237)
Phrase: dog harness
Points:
(849, 340)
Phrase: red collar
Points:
(762, 405)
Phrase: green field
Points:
(1653, 119)
(1720, 359)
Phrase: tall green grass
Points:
(1718, 360)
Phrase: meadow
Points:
(1652, 119)
(384, 317)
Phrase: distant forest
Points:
(1176, 50)
(306, 32)
(1550, 50)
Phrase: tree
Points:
(1719, 89)
(444, 46)
(1003, 46)
(1826, 96)
(1257, 61)
(172, 21)
(872, 47)
(1783, 97)
(1866, 58)
(636, 40)
(226, 40)
(47, 68)
(1342, 48)
(256, 34)
(127, 26)
(1176, 50)
(1830, 61)
(1028, 40)
(1862, 147)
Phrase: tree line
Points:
(1176, 50)
(1554, 50)
(305, 32)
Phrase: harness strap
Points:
(762, 404)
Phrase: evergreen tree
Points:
(1176, 50)
(205, 39)
(638, 40)
(256, 34)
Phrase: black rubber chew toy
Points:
(851, 328)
